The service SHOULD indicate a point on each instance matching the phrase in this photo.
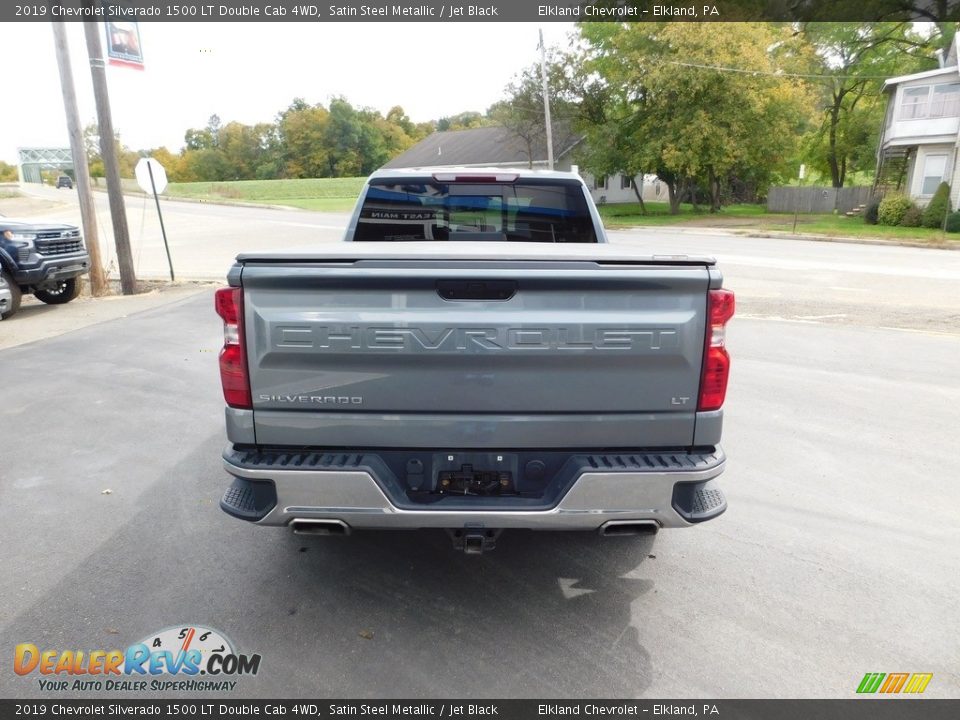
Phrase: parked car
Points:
(507, 369)
(65, 181)
(47, 260)
(6, 297)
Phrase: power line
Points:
(773, 73)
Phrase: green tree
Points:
(938, 208)
(126, 158)
(692, 104)
(848, 63)
(463, 121)
(204, 165)
(204, 138)
(354, 144)
(172, 164)
(244, 149)
(8, 172)
(522, 112)
(302, 146)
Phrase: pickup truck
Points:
(476, 357)
(46, 259)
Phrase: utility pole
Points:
(546, 101)
(108, 151)
(88, 214)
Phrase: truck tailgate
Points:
(393, 351)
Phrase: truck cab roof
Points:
(500, 174)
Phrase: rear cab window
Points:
(542, 210)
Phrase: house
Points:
(495, 146)
(921, 132)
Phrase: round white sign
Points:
(142, 172)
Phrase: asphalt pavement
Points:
(837, 556)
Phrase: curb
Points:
(773, 235)
(778, 235)
(199, 201)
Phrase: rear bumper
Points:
(671, 489)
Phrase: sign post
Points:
(796, 207)
(152, 178)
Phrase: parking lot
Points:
(837, 555)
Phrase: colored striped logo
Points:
(892, 683)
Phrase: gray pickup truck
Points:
(475, 358)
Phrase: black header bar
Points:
(874, 708)
(539, 11)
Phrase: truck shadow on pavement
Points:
(545, 614)
(374, 615)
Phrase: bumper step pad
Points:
(249, 499)
(699, 501)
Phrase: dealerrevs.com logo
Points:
(184, 658)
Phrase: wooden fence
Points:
(817, 199)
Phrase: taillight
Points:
(233, 358)
(716, 362)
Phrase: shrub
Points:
(938, 207)
(953, 222)
(892, 209)
(870, 214)
(913, 217)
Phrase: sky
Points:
(248, 72)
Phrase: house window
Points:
(934, 167)
(930, 101)
(914, 103)
(626, 182)
(945, 100)
(600, 182)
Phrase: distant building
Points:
(496, 146)
(921, 132)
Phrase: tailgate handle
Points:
(476, 289)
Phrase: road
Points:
(837, 556)
(803, 281)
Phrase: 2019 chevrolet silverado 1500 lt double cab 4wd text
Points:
(475, 358)
(46, 259)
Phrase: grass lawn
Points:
(756, 218)
(323, 194)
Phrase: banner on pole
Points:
(123, 44)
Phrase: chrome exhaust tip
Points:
(310, 526)
(629, 527)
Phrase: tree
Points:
(463, 121)
(522, 112)
(8, 172)
(244, 148)
(693, 106)
(204, 165)
(126, 158)
(301, 130)
(204, 138)
(172, 164)
(847, 63)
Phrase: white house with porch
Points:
(921, 132)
